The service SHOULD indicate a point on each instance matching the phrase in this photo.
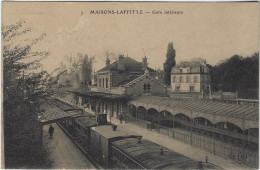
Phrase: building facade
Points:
(115, 84)
(190, 77)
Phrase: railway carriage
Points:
(118, 148)
(101, 138)
(81, 129)
(132, 154)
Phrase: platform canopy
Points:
(244, 116)
(101, 95)
(52, 114)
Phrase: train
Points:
(114, 147)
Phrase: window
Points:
(191, 88)
(148, 87)
(188, 70)
(195, 79)
(181, 70)
(188, 79)
(99, 82)
(103, 82)
(180, 79)
(106, 82)
(174, 79)
(177, 88)
(144, 86)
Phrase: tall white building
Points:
(190, 77)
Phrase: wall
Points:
(117, 90)
(185, 86)
(202, 81)
(137, 89)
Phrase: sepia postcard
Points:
(130, 85)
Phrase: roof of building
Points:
(127, 80)
(205, 106)
(148, 154)
(61, 104)
(129, 64)
(146, 75)
(189, 64)
(108, 132)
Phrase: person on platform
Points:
(51, 131)
(121, 118)
(200, 165)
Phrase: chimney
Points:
(121, 66)
(107, 62)
(144, 63)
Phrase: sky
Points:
(214, 31)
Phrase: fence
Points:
(208, 143)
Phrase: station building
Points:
(117, 83)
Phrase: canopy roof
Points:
(100, 94)
(51, 113)
(205, 106)
(54, 110)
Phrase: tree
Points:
(74, 63)
(169, 63)
(237, 74)
(22, 91)
(76, 71)
(111, 55)
(86, 72)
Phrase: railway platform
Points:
(182, 148)
(63, 152)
